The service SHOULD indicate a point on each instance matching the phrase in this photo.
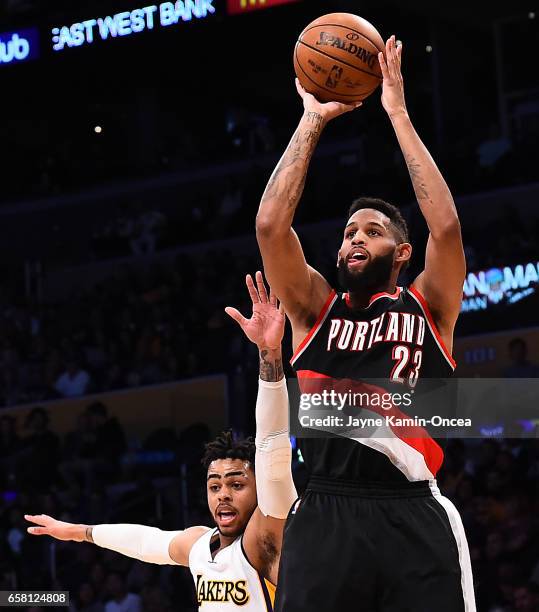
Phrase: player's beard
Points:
(374, 276)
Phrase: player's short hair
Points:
(398, 223)
(226, 447)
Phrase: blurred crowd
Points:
(228, 208)
(480, 158)
(85, 477)
(130, 330)
(162, 189)
(224, 203)
(494, 484)
(192, 213)
(158, 320)
(95, 473)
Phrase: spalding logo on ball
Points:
(336, 58)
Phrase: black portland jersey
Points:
(395, 339)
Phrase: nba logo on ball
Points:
(334, 76)
(344, 48)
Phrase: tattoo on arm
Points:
(315, 119)
(300, 149)
(271, 366)
(415, 170)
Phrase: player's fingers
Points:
(383, 65)
(37, 530)
(392, 57)
(399, 58)
(235, 314)
(272, 298)
(388, 54)
(30, 517)
(40, 519)
(281, 309)
(261, 287)
(300, 89)
(347, 108)
(251, 289)
(394, 54)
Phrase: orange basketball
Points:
(336, 58)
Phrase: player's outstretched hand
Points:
(393, 86)
(328, 110)
(52, 527)
(266, 326)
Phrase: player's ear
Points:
(404, 252)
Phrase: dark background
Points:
(120, 250)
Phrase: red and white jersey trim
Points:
(377, 296)
(314, 330)
(432, 326)
(409, 448)
(411, 461)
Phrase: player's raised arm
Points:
(140, 542)
(302, 290)
(441, 281)
(273, 463)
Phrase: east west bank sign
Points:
(23, 45)
(131, 22)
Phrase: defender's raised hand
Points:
(266, 326)
(393, 86)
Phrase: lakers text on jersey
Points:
(227, 581)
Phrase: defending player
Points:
(234, 565)
(372, 531)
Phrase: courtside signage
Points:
(19, 46)
(235, 7)
(131, 22)
(506, 285)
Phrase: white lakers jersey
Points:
(228, 580)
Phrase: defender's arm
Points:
(274, 484)
(140, 542)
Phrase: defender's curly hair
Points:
(226, 447)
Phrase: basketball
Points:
(336, 58)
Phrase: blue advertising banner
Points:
(19, 46)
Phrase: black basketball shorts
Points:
(370, 548)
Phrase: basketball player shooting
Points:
(234, 565)
(372, 532)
